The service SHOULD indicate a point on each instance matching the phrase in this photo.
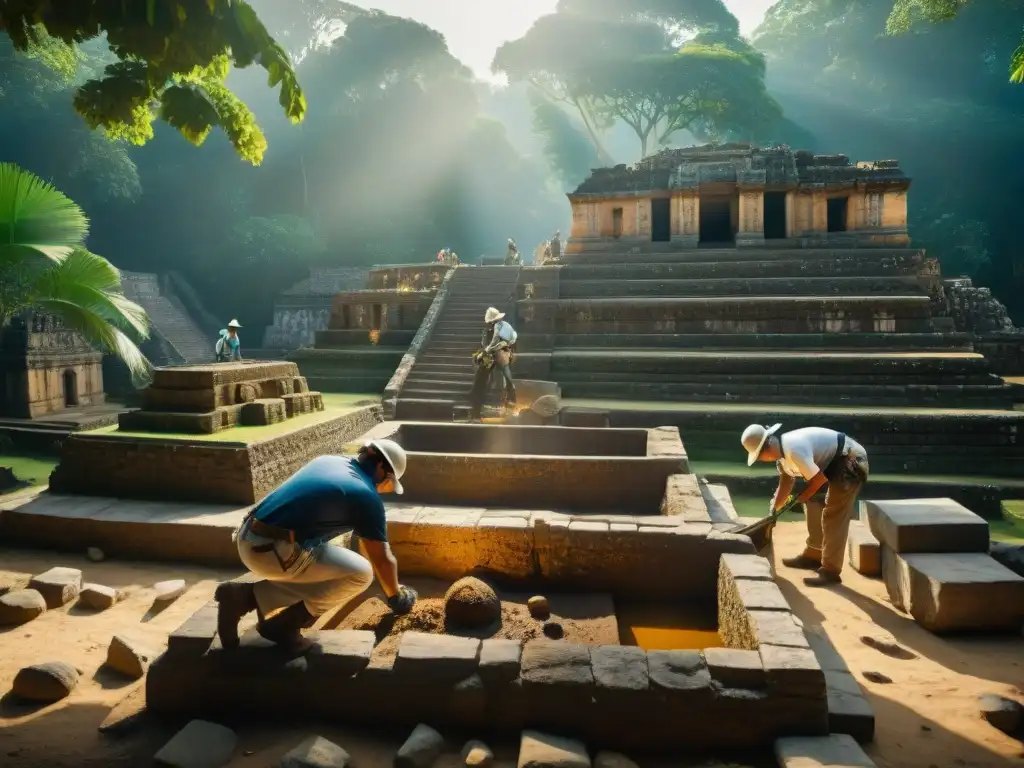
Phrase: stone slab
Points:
(549, 662)
(499, 660)
(735, 668)
(343, 652)
(619, 668)
(948, 592)
(864, 550)
(927, 525)
(793, 671)
(421, 654)
(849, 710)
(199, 744)
(835, 751)
(58, 586)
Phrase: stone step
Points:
(926, 525)
(837, 750)
(753, 285)
(698, 255)
(906, 342)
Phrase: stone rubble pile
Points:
(974, 309)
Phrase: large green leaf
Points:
(36, 217)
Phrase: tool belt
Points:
(845, 469)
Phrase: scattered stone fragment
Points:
(613, 760)
(553, 630)
(1005, 714)
(13, 582)
(45, 683)
(1009, 555)
(476, 754)
(888, 647)
(198, 745)
(99, 597)
(95, 554)
(128, 713)
(166, 591)
(316, 752)
(539, 607)
(421, 749)
(128, 657)
(469, 602)
(58, 586)
(541, 750)
(21, 607)
(877, 677)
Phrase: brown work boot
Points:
(234, 600)
(824, 578)
(802, 562)
(285, 629)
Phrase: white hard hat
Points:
(492, 315)
(234, 324)
(754, 438)
(394, 454)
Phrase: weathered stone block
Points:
(198, 744)
(864, 550)
(541, 750)
(735, 668)
(99, 597)
(927, 525)
(760, 595)
(342, 652)
(194, 637)
(949, 592)
(849, 710)
(58, 586)
(421, 749)
(745, 566)
(129, 657)
(20, 607)
(793, 672)
(619, 668)
(262, 412)
(316, 752)
(835, 751)
(680, 674)
(684, 499)
(550, 662)
(426, 656)
(499, 661)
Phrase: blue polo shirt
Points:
(329, 496)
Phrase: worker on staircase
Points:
(229, 346)
(498, 343)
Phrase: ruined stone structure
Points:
(305, 307)
(370, 329)
(203, 399)
(744, 196)
(46, 368)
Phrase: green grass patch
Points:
(335, 405)
(30, 468)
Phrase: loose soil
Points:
(927, 718)
(585, 619)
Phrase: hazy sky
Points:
(475, 28)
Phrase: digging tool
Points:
(760, 533)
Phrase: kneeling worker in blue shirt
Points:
(285, 540)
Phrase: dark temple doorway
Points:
(70, 389)
(774, 215)
(837, 207)
(661, 220)
(716, 220)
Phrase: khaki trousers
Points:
(828, 524)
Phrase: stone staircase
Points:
(169, 318)
(443, 373)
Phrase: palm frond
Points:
(36, 216)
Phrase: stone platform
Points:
(204, 470)
(673, 700)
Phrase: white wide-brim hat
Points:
(493, 315)
(754, 438)
(234, 324)
(395, 456)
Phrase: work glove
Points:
(402, 601)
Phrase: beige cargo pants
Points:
(828, 523)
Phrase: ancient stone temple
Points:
(739, 195)
(46, 368)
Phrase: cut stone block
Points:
(793, 671)
(951, 592)
(849, 710)
(864, 550)
(551, 662)
(45, 683)
(58, 586)
(735, 668)
(167, 591)
(198, 745)
(927, 525)
(431, 656)
(421, 749)
(316, 752)
(680, 673)
(343, 652)
(99, 597)
(541, 750)
(129, 657)
(194, 637)
(619, 668)
(499, 661)
(835, 751)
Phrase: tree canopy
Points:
(173, 58)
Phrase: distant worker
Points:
(556, 246)
(819, 457)
(512, 257)
(286, 538)
(499, 339)
(229, 348)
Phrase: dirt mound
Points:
(471, 604)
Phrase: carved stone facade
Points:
(46, 368)
(744, 195)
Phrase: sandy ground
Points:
(926, 718)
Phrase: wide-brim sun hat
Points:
(753, 440)
(395, 456)
(234, 324)
(492, 315)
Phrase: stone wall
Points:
(198, 470)
(305, 308)
(973, 309)
(731, 698)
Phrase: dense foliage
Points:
(173, 58)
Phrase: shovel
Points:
(760, 533)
